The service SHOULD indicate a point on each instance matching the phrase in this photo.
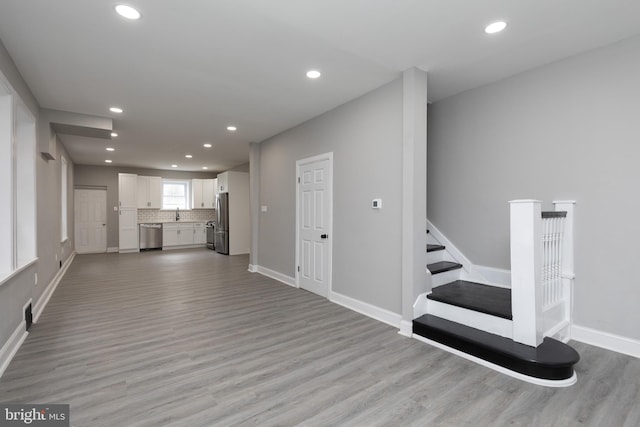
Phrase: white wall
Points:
(365, 136)
(568, 130)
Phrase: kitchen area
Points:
(206, 219)
(169, 210)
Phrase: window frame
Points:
(187, 196)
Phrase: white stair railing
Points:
(541, 270)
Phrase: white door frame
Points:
(299, 163)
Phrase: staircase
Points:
(466, 315)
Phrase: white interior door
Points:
(90, 220)
(314, 219)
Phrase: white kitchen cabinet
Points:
(185, 234)
(149, 192)
(182, 235)
(208, 193)
(128, 230)
(203, 193)
(127, 190)
(223, 182)
(170, 235)
(199, 234)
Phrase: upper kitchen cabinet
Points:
(203, 193)
(128, 190)
(149, 192)
(230, 181)
(223, 182)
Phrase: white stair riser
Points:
(474, 319)
(435, 256)
(420, 306)
(444, 278)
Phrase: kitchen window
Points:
(175, 193)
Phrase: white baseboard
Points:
(496, 276)
(51, 287)
(606, 340)
(10, 348)
(253, 268)
(287, 280)
(381, 314)
(406, 329)
(112, 250)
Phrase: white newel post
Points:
(526, 270)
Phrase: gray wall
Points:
(15, 293)
(365, 136)
(107, 176)
(569, 130)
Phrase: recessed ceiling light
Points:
(205, 168)
(114, 135)
(115, 110)
(495, 27)
(174, 166)
(108, 161)
(313, 74)
(232, 128)
(127, 12)
(188, 156)
(111, 149)
(206, 145)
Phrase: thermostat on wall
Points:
(376, 204)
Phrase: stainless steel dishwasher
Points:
(150, 236)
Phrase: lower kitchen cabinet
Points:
(180, 235)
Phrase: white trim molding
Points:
(252, 268)
(51, 287)
(377, 313)
(606, 340)
(406, 329)
(10, 348)
(112, 250)
(287, 280)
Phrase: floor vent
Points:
(28, 316)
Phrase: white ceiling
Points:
(189, 68)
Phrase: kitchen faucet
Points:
(177, 214)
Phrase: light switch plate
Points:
(263, 208)
(376, 204)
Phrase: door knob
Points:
(324, 236)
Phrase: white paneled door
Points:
(90, 220)
(314, 219)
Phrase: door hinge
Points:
(298, 180)
(298, 269)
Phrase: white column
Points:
(526, 266)
(414, 192)
(254, 200)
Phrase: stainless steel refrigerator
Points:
(222, 226)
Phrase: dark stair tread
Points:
(433, 248)
(475, 296)
(551, 360)
(442, 266)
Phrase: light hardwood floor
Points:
(190, 338)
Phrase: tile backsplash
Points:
(155, 215)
